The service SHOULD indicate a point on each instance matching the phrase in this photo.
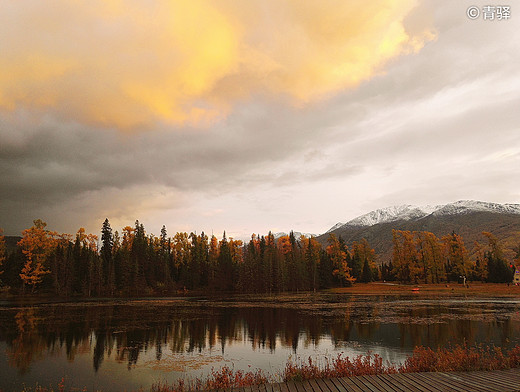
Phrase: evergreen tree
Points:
(107, 260)
(498, 269)
(367, 274)
(366, 255)
(225, 266)
(138, 256)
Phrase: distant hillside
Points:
(466, 218)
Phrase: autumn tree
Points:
(458, 264)
(404, 257)
(37, 244)
(430, 257)
(338, 258)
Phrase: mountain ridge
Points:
(411, 212)
(467, 218)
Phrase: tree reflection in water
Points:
(126, 330)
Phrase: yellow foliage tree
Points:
(36, 244)
(339, 260)
(235, 247)
(405, 257)
(457, 257)
(430, 257)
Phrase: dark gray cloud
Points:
(438, 125)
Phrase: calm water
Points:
(113, 345)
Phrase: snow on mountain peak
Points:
(465, 206)
(336, 226)
(388, 214)
(410, 212)
(297, 235)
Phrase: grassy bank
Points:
(472, 288)
(374, 288)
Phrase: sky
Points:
(249, 117)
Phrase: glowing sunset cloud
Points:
(130, 64)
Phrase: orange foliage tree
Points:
(430, 257)
(458, 264)
(37, 244)
(339, 260)
(405, 257)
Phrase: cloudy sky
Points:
(250, 116)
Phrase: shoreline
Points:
(493, 290)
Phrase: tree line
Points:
(422, 257)
(135, 263)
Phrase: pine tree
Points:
(367, 275)
(498, 269)
(213, 254)
(366, 256)
(107, 259)
(225, 266)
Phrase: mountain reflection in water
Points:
(124, 331)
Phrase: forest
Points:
(134, 263)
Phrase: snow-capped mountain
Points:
(465, 206)
(336, 226)
(297, 234)
(467, 218)
(411, 213)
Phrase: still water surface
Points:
(126, 344)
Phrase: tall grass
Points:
(423, 359)
(222, 378)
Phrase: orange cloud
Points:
(130, 64)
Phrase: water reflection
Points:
(127, 331)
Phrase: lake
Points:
(127, 344)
